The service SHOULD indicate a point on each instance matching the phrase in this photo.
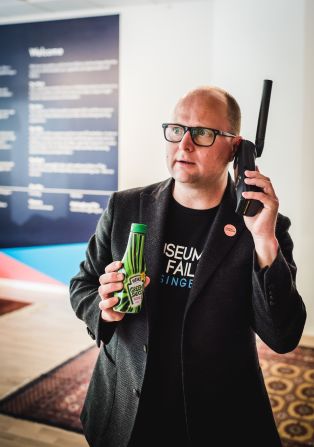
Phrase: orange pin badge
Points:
(230, 230)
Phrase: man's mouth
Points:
(185, 162)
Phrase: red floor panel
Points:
(12, 269)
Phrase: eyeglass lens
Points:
(200, 135)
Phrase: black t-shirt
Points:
(161, 408)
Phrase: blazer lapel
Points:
(218, 243)
(153, 212)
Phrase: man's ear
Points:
(236, 142)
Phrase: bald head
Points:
(214, 97)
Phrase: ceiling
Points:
(10, 9)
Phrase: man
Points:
(185, 371)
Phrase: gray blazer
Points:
(231, 299)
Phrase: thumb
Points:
(147, 281)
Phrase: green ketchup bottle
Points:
(134, 268)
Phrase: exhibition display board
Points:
(58, 128)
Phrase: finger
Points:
(108, 303)
(261, 183)
(107, 289)
(256, 174)
(107, 311)
(111, 277)
(111, 315)
(269, 202)
(113, 266)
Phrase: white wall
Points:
(165, 50)
(305, 150)
(170, 48)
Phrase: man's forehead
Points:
(204, 97)
(201, 103)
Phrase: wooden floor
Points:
(35, 339)
(19, 433)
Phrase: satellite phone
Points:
(245, 158)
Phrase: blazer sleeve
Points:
(84, 285)
(278, 310)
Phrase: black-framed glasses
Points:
(201, 136)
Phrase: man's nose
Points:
(186, 144)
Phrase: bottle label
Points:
(135, 287)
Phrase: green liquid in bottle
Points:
(134, 268)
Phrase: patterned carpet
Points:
(289, 380)
(56, 398)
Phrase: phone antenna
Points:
(262, 118)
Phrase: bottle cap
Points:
(138, 228)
